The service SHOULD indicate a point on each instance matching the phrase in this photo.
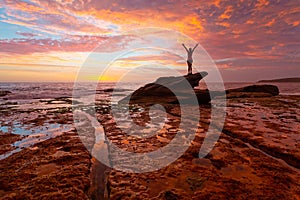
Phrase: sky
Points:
(51, 40)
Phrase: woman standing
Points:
(189, 61)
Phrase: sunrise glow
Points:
(50, 40)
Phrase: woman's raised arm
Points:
(195, 47)
(185, 47)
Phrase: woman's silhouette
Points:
(189, 61)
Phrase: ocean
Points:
(28, 92)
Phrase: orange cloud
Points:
(25, 7)
(225, 24)
(270, 23)
(50, 17)
(190, 24)
(227, 13)
(249, 21)
(217, 3)
(261, 3)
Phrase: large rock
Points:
(4, 93)
(176, 89)
(179, 81)
(254, 91)
(163, 89)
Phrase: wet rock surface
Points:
(4, 93)
(58, 168)
(42, 156)
(256, 157)
(6, 140)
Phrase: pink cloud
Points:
(70, 44)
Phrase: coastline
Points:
(256, 156)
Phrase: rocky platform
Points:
(182, 88)
(256, 157)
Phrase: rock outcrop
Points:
(164, 88)
(179, 81)
(4, 93)
(253, 91)
(175, 89)
(272, 89)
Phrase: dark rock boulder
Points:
(163, 89)
(269, 90)
(179, 81)
(4, 93)
(205, 96)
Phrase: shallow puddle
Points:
(32, 134)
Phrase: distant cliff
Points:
(282, 80)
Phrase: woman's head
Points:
(190, 49)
